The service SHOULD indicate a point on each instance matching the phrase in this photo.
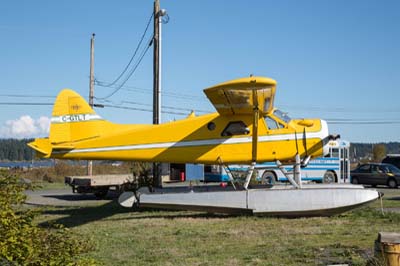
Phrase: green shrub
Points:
(22, 242)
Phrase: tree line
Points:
(361, 151)
(17, 150)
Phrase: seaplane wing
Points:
(241, 95)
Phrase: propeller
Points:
(306, 159)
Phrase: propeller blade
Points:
(305, 141)
(307, 158)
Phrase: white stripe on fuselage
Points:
(281, 137)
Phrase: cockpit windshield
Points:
(281, 115)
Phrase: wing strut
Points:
(294, 176)
(256, 113)
(249, 174)
(228, 172)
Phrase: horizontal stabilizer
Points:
(42, 146)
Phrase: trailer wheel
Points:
(329, 177)
(268, 178)
(101, 193)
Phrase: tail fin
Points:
(72, 120)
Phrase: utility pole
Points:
(158, 14)
(156, 64)
(157, 182)
(91, 93)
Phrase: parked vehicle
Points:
(376, 174)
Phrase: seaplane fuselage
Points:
(237, 133)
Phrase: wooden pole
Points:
(156, 64)
(156, 85)
(91, 93)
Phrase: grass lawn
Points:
(157, 237)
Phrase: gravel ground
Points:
(63, 197)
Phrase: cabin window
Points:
(267, 103)
(235, 128)
(281, 115)
(272, 124)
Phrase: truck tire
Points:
(268, 178)
(101, 193)
(329, 177)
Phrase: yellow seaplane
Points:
(246, 129)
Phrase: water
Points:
(45, 163)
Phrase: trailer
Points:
(99, 184)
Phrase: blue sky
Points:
(338, 60)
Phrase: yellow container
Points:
(387, 248)
(391, 253)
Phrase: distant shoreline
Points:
(26, 164)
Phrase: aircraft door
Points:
(273, 126)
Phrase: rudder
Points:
(73, 119)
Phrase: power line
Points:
(131, 72)
(363, 122)
(169, 107)
(330, 121)
(164, 106)
(22, 103)
(26, 96)
(187, 109)
(168, 94)
(127, 88)
(105, 105)
(131, 60)
(355, 119)
(342, 109)
(142, 109)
